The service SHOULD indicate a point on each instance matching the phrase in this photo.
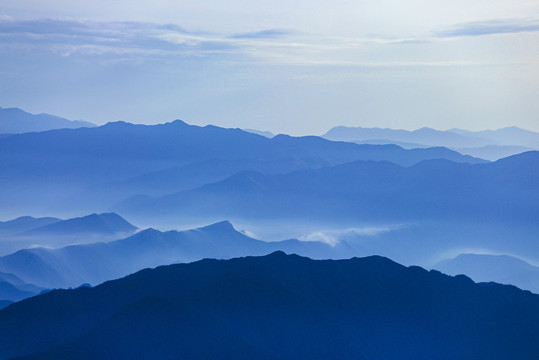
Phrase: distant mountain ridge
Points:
(94, 263)
(277, 307)
(487, 144)
(103, 196)
(12, 288)
(502, 269)
(24, 223)
(102, 224)
(43, 169)
(432, 189)
(264, 133)
(17, 121)
(453, 138)
(25, 232)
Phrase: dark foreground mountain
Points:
(16, 121)
(277, 307)
(5, 303)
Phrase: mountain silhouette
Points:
(486, 144)
(454, 138)
(505, 190)
(277, 307)
(102, 196)
(99, 224)
(98, 262)
(5, 303)
(16, 121)
(10, 292)
(26, 231)
(24, 223)
(502, 269)
(264, 133)
(42, 169)
(424, 136)
(511, 135)
(12, 288)
(95, 263)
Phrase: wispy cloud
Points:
(333, 237)
(265, 34)
(289, 47)
(490, 27)
(70, 37)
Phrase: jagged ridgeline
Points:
(277, 307)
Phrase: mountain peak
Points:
(116, 124)
(220, 226)
(106, 223)
(177, 122)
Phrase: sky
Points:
(297, 67)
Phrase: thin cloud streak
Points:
(265, 34)
(490, 27)
(271, 46)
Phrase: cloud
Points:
(137, 39)
(490, 27)
(453, 253)
(333, 237)
(265, 34)
(326, 238)
(95, 38)
(139, 42)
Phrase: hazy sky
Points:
(296, 67)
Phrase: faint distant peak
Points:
(429, 137)
(94, 223)
(177, 122)
(17, 121)
(282, 137)
(264, 133)
(521, 160)
(117, 124)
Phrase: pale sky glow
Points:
(297, 68)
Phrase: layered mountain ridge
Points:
(269, 307)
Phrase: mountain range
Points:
(53, 232)
(108, 224)
(24, 223)
(502, 269)
(95, 263)
(277, 307)
(12, 289)
(505, 190)
(42, 170)
(486, 144)
(17, 121)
